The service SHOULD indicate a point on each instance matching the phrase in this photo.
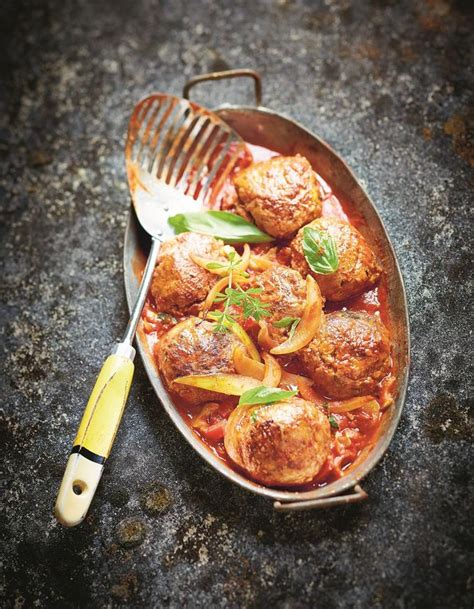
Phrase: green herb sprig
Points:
(228, 267)
(319, 249)
(246, 299)
(251, 306)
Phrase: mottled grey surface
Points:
(387, 84)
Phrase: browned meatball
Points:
(178, 282)
(282, 444)
(281, 194)
(284, 290)
(192, 347)
(350, 356)
(358, 266)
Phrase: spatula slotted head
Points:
(178, 156)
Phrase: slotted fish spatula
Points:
(178, 155)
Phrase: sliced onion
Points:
(219, 286)
(204, 262)
(260, 263)
(228, 384)
(367, 402)
(247, 366)
(364, 453)
(211, 421)
(304, 384)
(216, 288)
(242, 335)
(387, 389)
(372, 408)
(237, 329)
(245, 260)
(201, 421)
(272, 375)
(290, 378)
(264, 339)
(309, 394)
(310, 321)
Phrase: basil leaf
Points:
(264, 395)
(221, 224)
(319, 249)
(333, 423)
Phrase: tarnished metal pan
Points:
(263, 127)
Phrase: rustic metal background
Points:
(388, 85)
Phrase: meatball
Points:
(350, 356)
(281, 194)
(358, 266)
(284, 290)
(192, 347)
(178, 282)
(281, 444)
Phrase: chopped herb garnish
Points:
(246, 299)
(319, 249)
(332, 422)
(228, 267)
(253, 416)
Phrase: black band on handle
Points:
(88, 454)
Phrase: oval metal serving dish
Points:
(263, 127)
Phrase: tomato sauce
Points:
(353, 433)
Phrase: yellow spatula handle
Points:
(95, 437)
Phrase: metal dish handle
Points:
(358, 495)
(223, 75)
